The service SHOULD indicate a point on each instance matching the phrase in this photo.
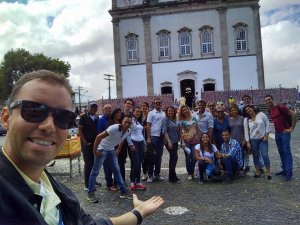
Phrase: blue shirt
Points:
(172, 128)
(233, 149)
(218, 129)
(102, 123)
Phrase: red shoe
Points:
(133, 187)
(140, 186)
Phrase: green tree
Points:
(18, 62)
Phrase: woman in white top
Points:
(205, 154)
(257, 128)
(136, 156)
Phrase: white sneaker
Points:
(149, 179)
(159, 178)
(190, 177)
(85, 188)
(144, 177)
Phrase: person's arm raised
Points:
(144, 208)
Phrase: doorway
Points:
(209, 87)
(187, 90)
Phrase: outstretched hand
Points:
(146, 208)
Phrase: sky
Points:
(80, 32)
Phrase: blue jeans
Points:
(112, 159)
(136, 161)
(231, 165)
(189, 159)
(283, 141)
(260, 148)
(157, 142)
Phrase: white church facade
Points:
(164, 46)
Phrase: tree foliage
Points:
(18, 62)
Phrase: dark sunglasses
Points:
(35, 112)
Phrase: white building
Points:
(164, 46)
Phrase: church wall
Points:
(243, 73)
(191, 20)
(132, 26)
(235, 16)
(210, 68)
(134, 80)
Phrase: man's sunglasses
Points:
(35, 112)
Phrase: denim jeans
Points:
(108, 174)
(231, 165)
(136, 158)
(260, 147)
(189, 159)
(159, 146)
(88, 158)
(122, 159)
(283, 141)
(173, 162)
(111, 158)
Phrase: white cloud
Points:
(81, 33)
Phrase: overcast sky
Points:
(80, 32)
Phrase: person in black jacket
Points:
(87, 128)
(37, 118)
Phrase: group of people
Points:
(215, 141)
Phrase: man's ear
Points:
(5, 117)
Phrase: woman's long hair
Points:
(210, 147)
(111, 120)
(181, 116)
(174, 116)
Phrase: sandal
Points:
(256, 176)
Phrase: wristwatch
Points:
(138, 216)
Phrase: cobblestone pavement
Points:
(245, 201)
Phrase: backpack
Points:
(285, 116)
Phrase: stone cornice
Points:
(178, 7)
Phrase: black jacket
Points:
(19, 205)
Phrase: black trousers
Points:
(88, 158)
(173, 162)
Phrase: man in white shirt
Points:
(205, 120)
(155, 137)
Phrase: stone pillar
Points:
(258, 47)
(148, 54)
(117, 52)
(224, 47)
(114, 4)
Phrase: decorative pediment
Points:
(206, 27)
(240, 24)
(186, 72)
(129, 35)
(163, 32)
(166, 83)
(184, 29)
(209, 80)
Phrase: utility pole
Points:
(109, 78)
(79, 97)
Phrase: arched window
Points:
(206, 39)
(240, 34)
(185, 42)
(163, 44)
(132, 47)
